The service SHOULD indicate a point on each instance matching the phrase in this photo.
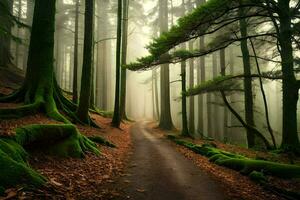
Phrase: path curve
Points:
(157, 171)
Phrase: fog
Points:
(140, 104)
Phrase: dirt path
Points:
(156, 171)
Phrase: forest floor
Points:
(236, 185)
(74, 178)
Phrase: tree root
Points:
(57, 140)
(14, 168)
(241, 163)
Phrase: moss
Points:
(258, 177)
(58, 140)
(2, 191)
(102, 141)
(14, 168)
(241, 163)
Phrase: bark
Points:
(248, 95)
(124, 59)
(86, 84)
(117, 118)
(5, 54)
(290, 88)
(185, 130)
(165, 117)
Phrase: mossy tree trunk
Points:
(248, 95)
(5, 30)
(116, 121)
(124, 59)
(165, 121)
(290, 86)
(86, 79)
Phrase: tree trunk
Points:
(75, 71)
(248, 95)
(210, 107)
(165, 117)
(290, 140)
(86, 84)
(201, 79)
(117, 118)
(124, 59)
(192, 99)
(7, 24)
(185, 130)
(225, 111)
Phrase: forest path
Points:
(156, 171)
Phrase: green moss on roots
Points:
(58, 140)
(14, 168)
(241, 163)
(102, 141)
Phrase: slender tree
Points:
(201, 79)
(76, 34)
(117, 118)
(86, 84)
(124, 59)
(248, 95)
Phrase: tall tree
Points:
(117, 118)
(165, 121)
(290, 85)
(6, 24)
(223, 73)
(201, 79)
(248, 94)
(86, 84)
(124, 59)
(76, 34)
(191, 83)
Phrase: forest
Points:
(150, 99)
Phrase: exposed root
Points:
(14, 168)
(21, 111)
(58, 140)
(17, 96)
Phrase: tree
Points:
(201, 79)
(117, 118)
(220, 14)
(165, 121)
(76, 34)
(6, 24)
(86, 83)
(40, 91)
(290, 85)
(124, 59)
(248, 95)
(191, 84)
